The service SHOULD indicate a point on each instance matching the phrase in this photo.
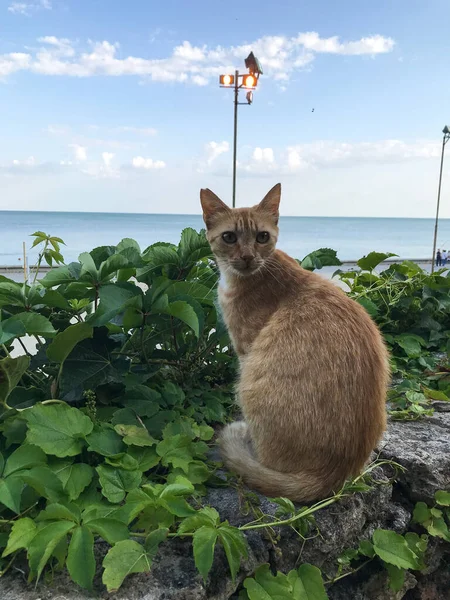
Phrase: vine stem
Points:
(8, 566)
(6, 350)
(23, 346)
(304, 513)
(352, 572)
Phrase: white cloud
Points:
(374, 44)
(322, 154)
(215, 149)
(79, 152)
(107, 158)
(57, 129)
(139, 162)
(15, 61)
(263, 155)
(317, 155)
(28, 8)
(294, 160)
(279, 55)
(28, 162)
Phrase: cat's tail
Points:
(237, 453)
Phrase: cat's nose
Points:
(247, 258)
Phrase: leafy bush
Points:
(412, 309)
(125, 369)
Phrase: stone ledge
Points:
(422, 447)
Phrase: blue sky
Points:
(114, 106)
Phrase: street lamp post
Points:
(247, 82)
(446, 132)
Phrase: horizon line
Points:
(80, 212)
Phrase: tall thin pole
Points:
(433, 258)
(236, 103)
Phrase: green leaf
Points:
(411, 344)
(122, 461)
(158, 258)
(193, 247)
(74, 478)
(85, 367)
(176, 451)
(44, 481)
(146, 458)
(58, 276)
(11, 372)
(111, 265)
(392, 548)
(366, 548)
(184, 311)
(24, 457)
(143, 400)
(369, 262)
(235, 546)
(154, 539)
(265, 586)
(113, 300)
(309, 584)
(80, 557)
(58, 429)
(436, 394)
(204, 543)
(421, 513)
(370, 306)
(123, 559)
(44, 543)
(286, 506)
(396, 577)
(35, 324)
(88, 269)
(256, 592)
(58, 512)
(206, 516)
(324, 257)
(65, 342)
(105, 441)
(22, 532)
(198, 291)
(115, 482)
(135, 436)
(442, 498)
(111, 530)
(11, 294)
(11, 492)
(439, 528)
(181, 487)
(10, 329)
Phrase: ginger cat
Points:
(313, 366)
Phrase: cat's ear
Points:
(271, 201)
(212, 206)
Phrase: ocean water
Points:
(351, 237)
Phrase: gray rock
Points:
(422, 447)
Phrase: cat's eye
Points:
(229, 237)
(263, 237)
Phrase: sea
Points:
(350, 237)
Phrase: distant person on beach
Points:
(444, 257)
(438, 258)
